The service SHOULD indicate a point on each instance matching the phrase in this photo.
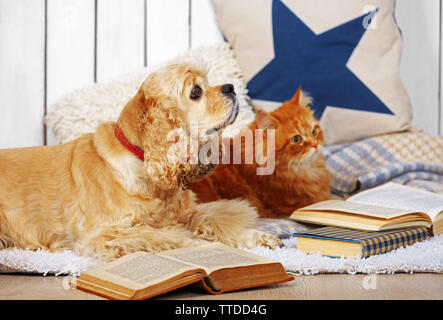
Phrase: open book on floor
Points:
(214, 267)
(342, 242)
(386, 207)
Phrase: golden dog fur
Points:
(95, 197)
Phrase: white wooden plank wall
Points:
(70, 49)
(420, 69)
(204, 29)
(167, 29)
(22, 72)
(50, 47)
(120, 37)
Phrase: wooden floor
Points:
(327, 286)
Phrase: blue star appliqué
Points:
(316, 63)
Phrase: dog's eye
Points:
(196, 93)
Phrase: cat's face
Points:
(298, 137)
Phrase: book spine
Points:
(387, 242)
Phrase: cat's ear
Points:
(300, 99)
(265, 120)
(297, 96)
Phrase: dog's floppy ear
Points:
(158, 119)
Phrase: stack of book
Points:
(375, 221)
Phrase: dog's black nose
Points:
(228, 88)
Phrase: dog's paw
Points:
(257, 238)
(269, 240)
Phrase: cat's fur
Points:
(300, 177)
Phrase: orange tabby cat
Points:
(300, 177)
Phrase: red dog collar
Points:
(128, 145)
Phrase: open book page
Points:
(139, 270)
(215, 256)
(394, 195)
(354, 207)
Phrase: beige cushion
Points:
(361, 97)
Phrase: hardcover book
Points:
(386, 207)
(341, 242)
(216, 268)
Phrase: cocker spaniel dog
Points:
(115, 191)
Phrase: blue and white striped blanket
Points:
(410, 158)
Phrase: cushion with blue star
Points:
(345, 54)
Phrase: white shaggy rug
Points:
(426, 256)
